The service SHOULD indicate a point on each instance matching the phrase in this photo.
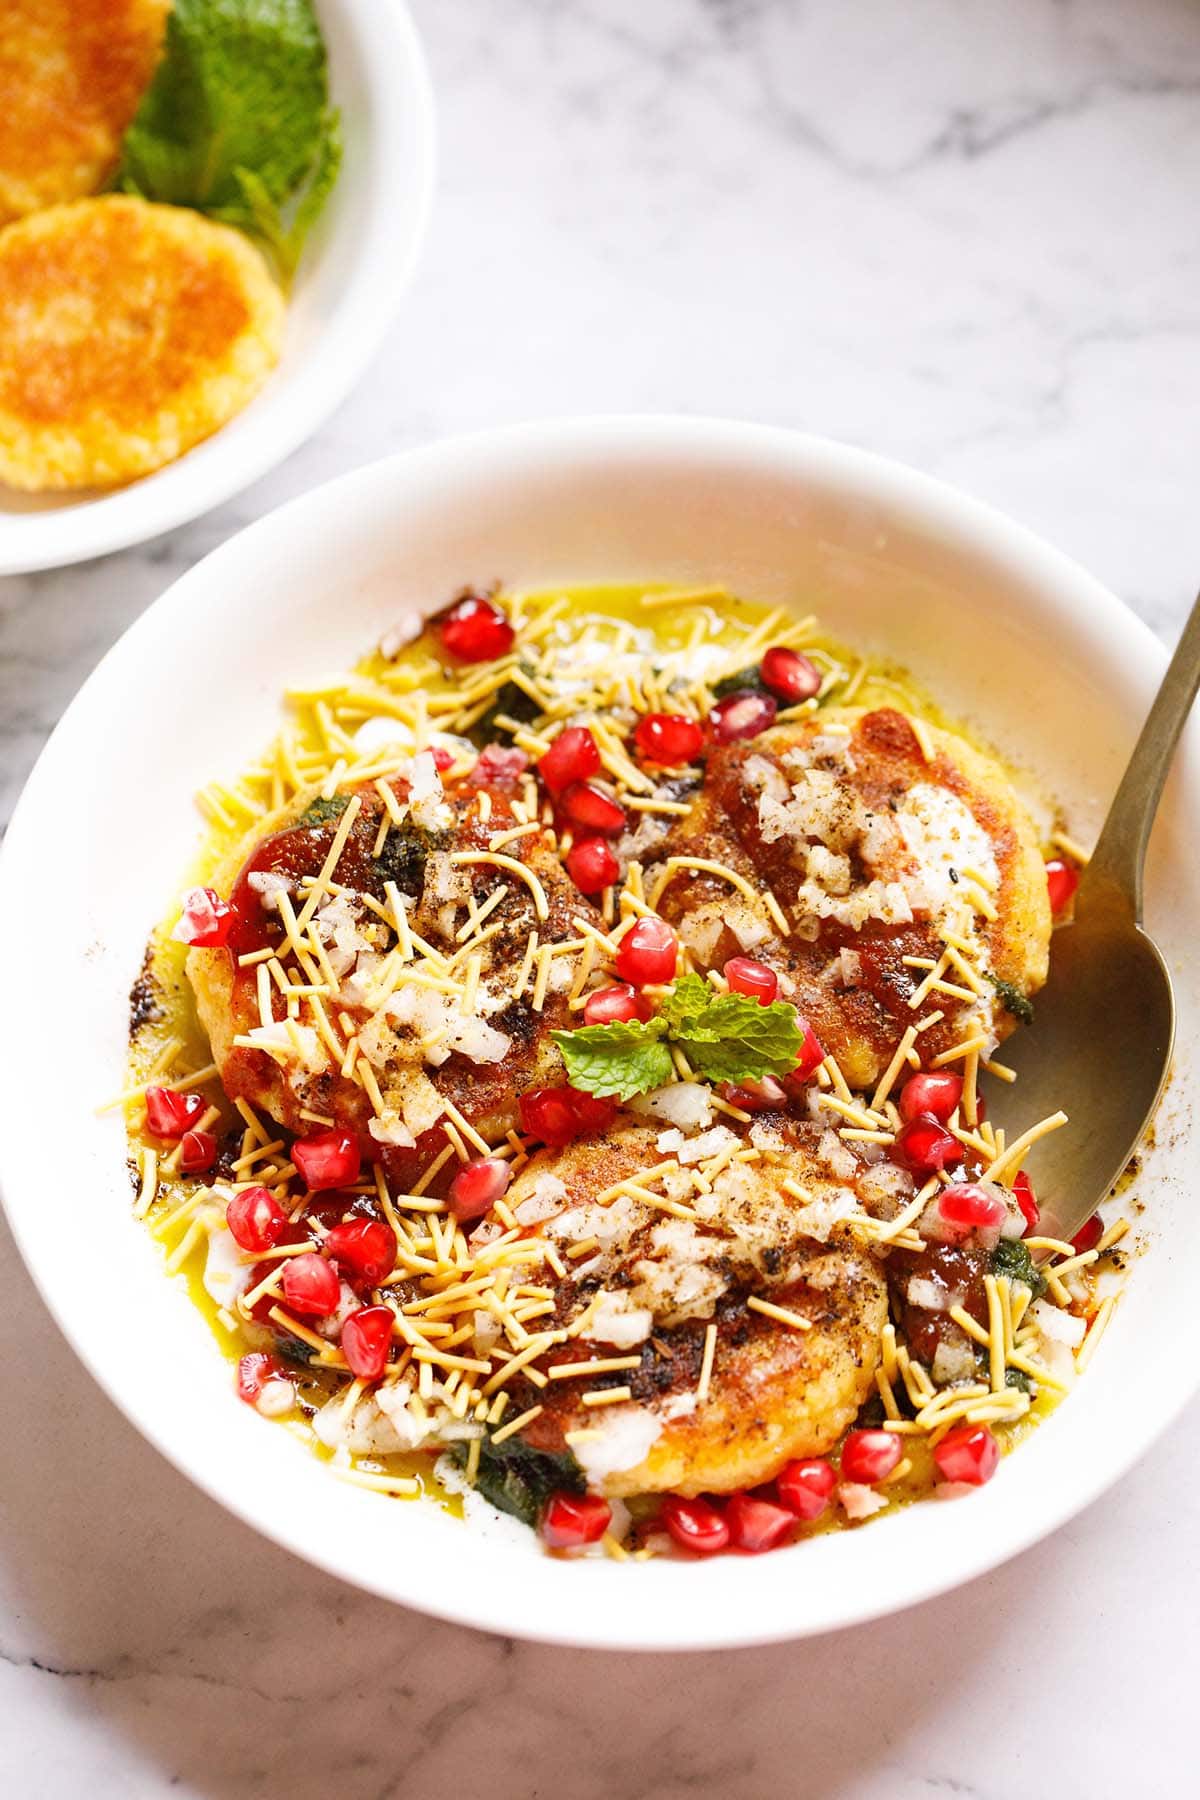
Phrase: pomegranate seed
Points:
(867, 1456)
(499, 766)
(253, 1373)
(363, 1249)
(648, 953)
(366, 1339)
(586, 804)
(970, 1207)
(695, 1525)
(573, 756)
(559, 1115)
(592, 865)
(328, 1159)
(790, 676)
(474, 630)
(571, 1520)
(1026, 1199)
(745, 976)
(255, 1219)
(310, 1285)
(615, 1006)
(669, 739)
(810, 1055)
(591, 1112)
(1061, 883)
(547, 1113)
(205, 921)
(477, 1186)
(924, 1145)
(805, 1486)
(767, 1095)
(443, 759)
(169, 1113)
(936, 1095)
(197, 1151)
(968, 1453)
(1089, 1235)
(741, 716)
(756, 1524)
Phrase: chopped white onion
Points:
(687, 1105)
(268, 884)
(929, 1294)
(818, 1218)
(952, 1362)
(276, 1397)
(626, 1435)
(858, 1501)
(1060, 1326)
(391, 1129)
(544, 1201)
(487, 1332)
(616, 1321)
(226, 1275)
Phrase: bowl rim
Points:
(403, 167)
(938, 510)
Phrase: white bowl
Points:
(347, 293)
(1003, 628)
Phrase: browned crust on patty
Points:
(862, 1022)
(128, 333)
(775, 1392)
(72, 73)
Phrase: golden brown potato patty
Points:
(857, 1002)
(775, 1392)
(486, 1092)
(71, 75)
(128, 333)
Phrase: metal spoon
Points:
(1108, 991)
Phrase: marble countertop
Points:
(958, 232)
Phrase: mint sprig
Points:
(237, 121)
(737, 1039)
(725, 1037)
(616, 1061)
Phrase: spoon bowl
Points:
(1108, 987)
(1099, 1048)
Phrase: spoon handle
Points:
(1120, 854)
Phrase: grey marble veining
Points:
(964, 234)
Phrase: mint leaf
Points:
(689, 997)
(237, 121)
(262, 218)
(736, 1039)
(616, 1061)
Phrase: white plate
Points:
(1002, 627)
(346, 295)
